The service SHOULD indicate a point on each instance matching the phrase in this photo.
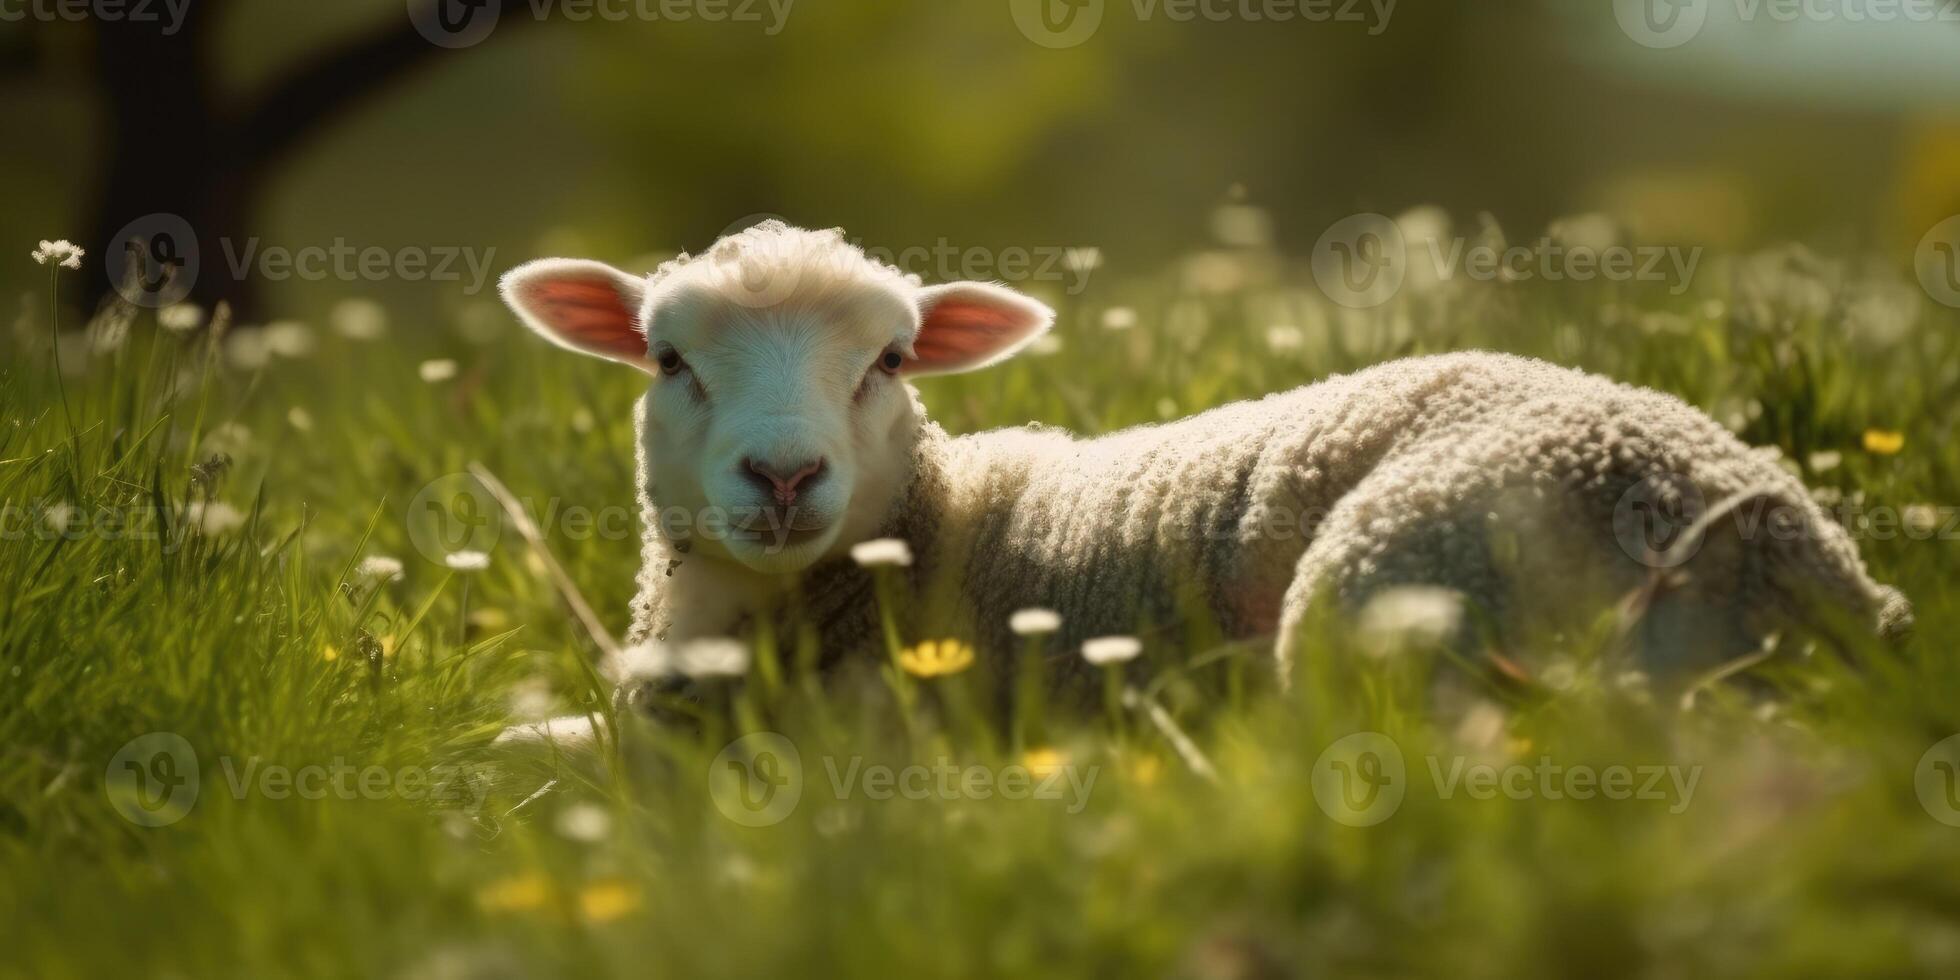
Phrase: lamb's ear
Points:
(968, 325)
(580, 305)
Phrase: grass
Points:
(1802, 850)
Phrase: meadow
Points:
(211, 533)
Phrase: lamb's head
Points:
(778, 427)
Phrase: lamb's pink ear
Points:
(968, 325)
(585, 306)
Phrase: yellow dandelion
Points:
(1884, 442)
(330, 654)
(608, 899)
(1145, 770)
(936, 658)
(517, 893)
(1044, 762)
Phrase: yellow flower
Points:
(1884, 442)
(518, 893)
(608, 899)
(1044, 762)
(1145, 770)
(330, 654)
(936, 658)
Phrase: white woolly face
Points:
(778, 428)
(790, 423)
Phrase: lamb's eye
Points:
(670, 361)
(891, 361)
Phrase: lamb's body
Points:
(1503, 478)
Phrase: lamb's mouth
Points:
(775, 534)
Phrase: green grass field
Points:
(221, 602)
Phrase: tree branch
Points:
(335, 82)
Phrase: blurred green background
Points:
(909, 123)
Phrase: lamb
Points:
(779, 430)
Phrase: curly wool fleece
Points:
(1514, 482)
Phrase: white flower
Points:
(584, 823)
(1034, 622)
(246, 349)
(62, 252)
(289, 338)
(881, 552)
(1046, 345)
(1921, 518)
(437, 370)
(216, 517)
(1825, 460)
(380, 568)
(467, 561)
(714, 657)
(181, 317)
(1119, 318)
(1419, 614)
(643, 660)
(1283, 337)
(59, 516)
(359, 319)
(1105, 650)
(229, 439)
(299, 418)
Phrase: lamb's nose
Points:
(783, 482)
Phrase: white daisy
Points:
(467, 561)
(61, 252)
(359, 319)
(290, 338)
(1106, 650)
(1034, 622)
(181, 317)
(380, 568)
(714, 657)
(882, 552)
